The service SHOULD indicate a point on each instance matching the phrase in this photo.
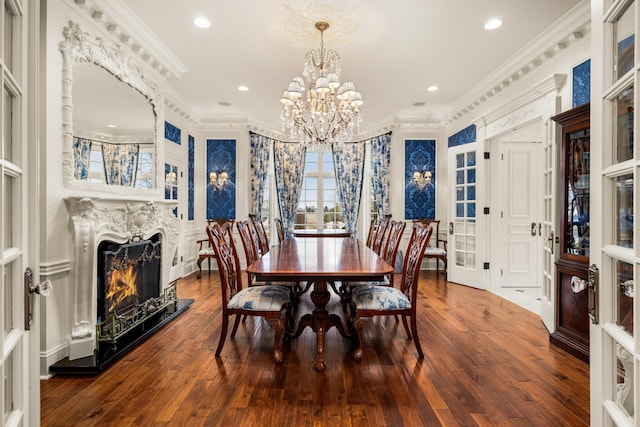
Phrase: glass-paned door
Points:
(615, 164)
(19, 352)
(463, 248)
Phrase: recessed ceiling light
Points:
(432, 88)
(201, 22)
(243, 88)
(224, 104)
(111, 126)
(419, 104)
(492, 24)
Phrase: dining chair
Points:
(439, 249)
(263, 240)
(371, 232)
(396, 230)
(381, 233)
(270, 301)
(205, 251)
(372, 300)
(279, 229)
(248, 243)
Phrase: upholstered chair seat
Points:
(260, 298)
(379, 298)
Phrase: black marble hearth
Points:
(106, 353)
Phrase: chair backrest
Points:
(263, 240)
(393, 241)
(435, 224)
(279, 229)
(227, 258)
(248, 243)
(370, 233)
(381, 232)
(413, 260)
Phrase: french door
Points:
(615, 235)
(464, 250)
(19, 348)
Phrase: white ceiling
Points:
(391, 50)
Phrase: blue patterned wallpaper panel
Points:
(221, 160)
(171, 132)
(420, 178)
(190, 179)
(465, 136)
(581, 83)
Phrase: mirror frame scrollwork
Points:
(78, 47)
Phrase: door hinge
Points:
(486, 266)
(487, 155)
(486, 211)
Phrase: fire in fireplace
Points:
(129, 276)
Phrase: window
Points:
(319, 207)
(144, 171)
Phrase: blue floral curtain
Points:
(259, 169)
(289, 161)
(348, 160)
(381, 165)
(81, 157)
(120, 163)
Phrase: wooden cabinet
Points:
(572, 315)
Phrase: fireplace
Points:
(128, 277)
(130, 243)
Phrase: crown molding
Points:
(130, 31)
(569, 29)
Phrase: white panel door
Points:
(516, 227)
(19, 348)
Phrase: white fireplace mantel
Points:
(95, 220)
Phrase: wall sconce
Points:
(171, 178)
(422, 179)
(218, 180)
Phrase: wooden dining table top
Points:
(317, 258)
(327, 232)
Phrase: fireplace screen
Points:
(129, 276)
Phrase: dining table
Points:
(327, 232)
(320, 263)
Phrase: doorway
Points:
(516, 217)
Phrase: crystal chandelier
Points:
(329, 111)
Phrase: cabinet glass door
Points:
(576, 239)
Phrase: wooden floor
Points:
(487, 363)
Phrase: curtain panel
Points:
(381, 165)
(259, 169)
(348, 160)
(120, 163)
(81, 156)
(289, 159)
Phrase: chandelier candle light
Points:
(330, 111)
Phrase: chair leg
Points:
(406, 326)
(223, 334)
(235, 325)
(199, 263)
(359, 324)
(416, 340)
(277, 326)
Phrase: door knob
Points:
(43, 289)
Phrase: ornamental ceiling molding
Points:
(119, 21)
(572, 29)
(304, 15)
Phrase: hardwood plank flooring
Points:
(487, 362)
